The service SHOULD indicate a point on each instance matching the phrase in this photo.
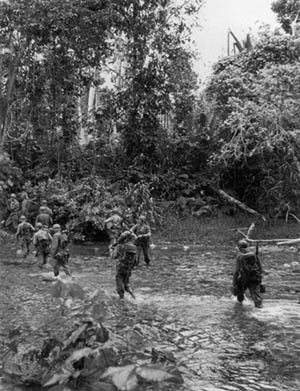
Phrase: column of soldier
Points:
(127, 245)
(47, 239)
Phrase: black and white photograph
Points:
(149, 195)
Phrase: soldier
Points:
(24, 232)
(13, 208)
(143, 233)
(42, 240)
(44, 208)
(60, 251)
(114, 226)
(44, 218)
(126, 255)
(247, 274)
(25, 204)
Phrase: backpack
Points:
(63, 241)
(43, 236)
(250, 270)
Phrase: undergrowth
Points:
(221, 230)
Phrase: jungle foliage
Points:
(256, 100)
(150, 125)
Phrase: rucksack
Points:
(250, 270)
(43, 236)
(63, 241)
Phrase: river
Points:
(184, 300)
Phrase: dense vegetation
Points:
(100, 98)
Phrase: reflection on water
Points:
(219, 344)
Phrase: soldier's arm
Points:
(34, 240)
(18, 232)
(147, 232)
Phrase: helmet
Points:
(56, 227)
(22, 218)
(44, 202)
(39, 225)
(242, 243)
(13, 195)
(42, 208)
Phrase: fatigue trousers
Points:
(122, 282)
(255, 293)
(143, 247)
(42, 255)
(61, 263)
(25, 245)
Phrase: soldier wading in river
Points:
(42, 240)
(247, 274)
(60, 251)
(25, 232)
(143, 232)
(126, 254)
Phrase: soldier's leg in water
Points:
(27, 247)
(127, 284)
(138, 255)
(255, 294)
(120, 284)
(146, 248)
(56, 267)
(66, 267)
(24, 247)
(45, 257)
(40, 257)
(240, 291)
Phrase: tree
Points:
(155, 33)
(256, 96)
(48, 47)
(288, 13)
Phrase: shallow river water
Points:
(184, 297)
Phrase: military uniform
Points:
(13, 209)
(42, 240)
(248, 275)
(25, 232)
(46, 209)
(143, 233)
(126, 255)
(114, 228)
(60, 253)
(44, 219)
(25, 204)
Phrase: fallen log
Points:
(288, 242)
(278, 242)
(239, 204)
